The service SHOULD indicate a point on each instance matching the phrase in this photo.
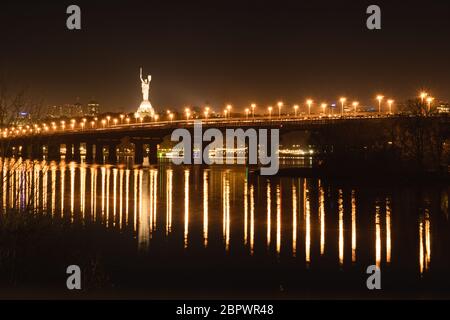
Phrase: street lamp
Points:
(270, 112)
(171, 116)
(295, 110)
(379, 98)
(390, 102)
(342, 100)
(229, 110)
(247, 111)
(108, 118)
(188, 113)
(115, 121)
(309, 102)
(355, 106)
(103, 123)
(324, 108)
(280, 105)
(253, 109)
(121, 118)
(156, 117)
(429, 101)
(423, 95)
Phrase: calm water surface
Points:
(173, 231)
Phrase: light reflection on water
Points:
(300, 218)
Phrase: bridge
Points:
(100, 140)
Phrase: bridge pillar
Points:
(69, 154)
(199, 149)
(10, 150)
(54, 152)
(89, 153)
(250, 150)
(99, 153)
(266, 151)
(230, 155)
(25, 151)
(138, 153)
(6, 150)
(246, 152)
(15, 151)
(112, 154)
(203, 146)
(153, 154)
(36, 151)
(191, 155)
(76, 152)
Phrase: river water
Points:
(221, 231)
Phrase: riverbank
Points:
(365, 174)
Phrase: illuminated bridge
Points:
(101, 142)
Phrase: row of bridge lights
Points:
(309, 103)
(72, 124)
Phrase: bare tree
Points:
(420, 137)
(12, 105)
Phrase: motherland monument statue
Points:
(145, 108)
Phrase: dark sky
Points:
(224, 51)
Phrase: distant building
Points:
(55, 111)
(74, 110)
(23, 118)
(92, 109)
(367, 108)
(443, 107)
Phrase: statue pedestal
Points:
(146, 162)
(145, 109)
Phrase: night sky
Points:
(220, 52)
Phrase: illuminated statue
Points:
(145, 109)
(145, 86)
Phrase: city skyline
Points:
(289, 107)
(248, 53)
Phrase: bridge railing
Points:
(267, 120)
